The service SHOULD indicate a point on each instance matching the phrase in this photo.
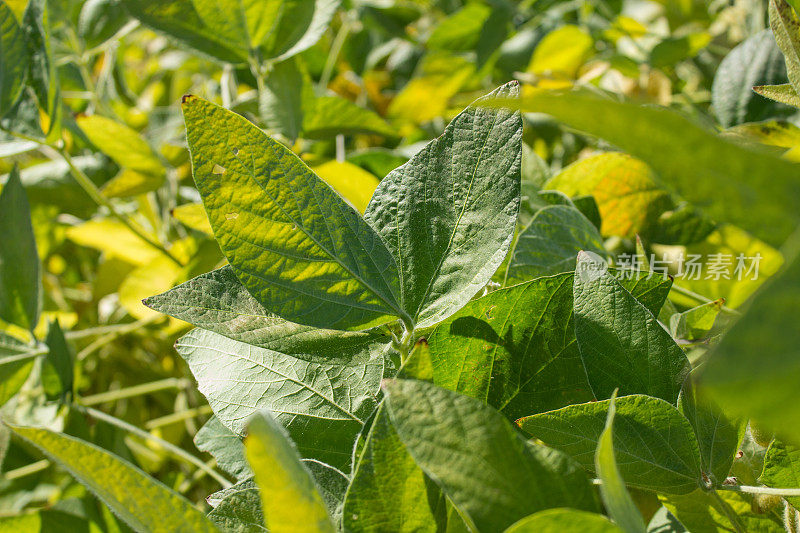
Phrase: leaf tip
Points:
(188, 98)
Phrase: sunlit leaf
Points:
(122, 144)
(560, 520)
(353, 183)
(562, 52)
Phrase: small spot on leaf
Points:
(218, 170)
(232, 216)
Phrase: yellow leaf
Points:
(627, 195)
(122, 144)
(352, 182)
(562, 52)
(157, 276)
(131, 183)
(113, 239)
(193, 216)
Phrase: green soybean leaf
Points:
(717, 435)
(696, 322)
(225, 446)
(449, 214)
(20, 271)
(13, 59)
(753, 190)
(756, 61)
(784, 22)
(283, 100)
(655, 446)
(180, 20)
(622, 345)
(217, 301)
(240, 510)
(289, 496)
(704, 511)
(388, 492)
(296, 245)
(143, 503)
(753, 372)
(42, 66)
(100, 20)
(16, 363)
(783, 93)
(551, 241)
(782, 468)
(57, 371)
(492, 476)
(617, 500)
(323, 406)
(560, 520)
(329, 116)
(515, 348)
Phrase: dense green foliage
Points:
(399, 265)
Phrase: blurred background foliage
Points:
(117, 218)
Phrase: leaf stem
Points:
(175, 450)
(26, 470)
(702, 299)
(137, 390)
(746, 489)
(105, 339)
(333, 55)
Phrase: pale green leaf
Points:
(355, 184)
(389, 492)
(562, 52)
(225, 446)
(295, 244)
(696, 322)
(515, 348)
(217, 301)
(562, 520)
(449, 214)
(756, 191)
(756, 61)
(785, 26)
(16, 363)
(20, 269)
(323, 406)
(655, 446)
(782, 468)
(622, 345)
(703, 511)
(289, 496)
(461, 30)
(284, 99)
(143, 503)
(57, 371)
(549, 244)
(240, 510)
(100, 20)
(673, 50)
(132, 183)
(479, 460)
(783, 93)
(617, 500)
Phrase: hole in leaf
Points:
(218, 170)
(232, 216)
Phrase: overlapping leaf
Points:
(298, 248)
(655, 446)
(487, 470)
(323, 406)
(448, 215)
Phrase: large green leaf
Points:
(756, 191)
(289, 497)
(388, 492)
(756, 61)
(622, 345)
(20, 276)
(143, 503)
(655, 446)
(515, 348)
(323, 406)
(449, 214)
(561, 520)
(13, 59)
(549, 244)
(617, 500)
(754, 371)
(296, 245)
(217, 301)
(180, 20)
(717, 435)
(479, 460)
(16, 363)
